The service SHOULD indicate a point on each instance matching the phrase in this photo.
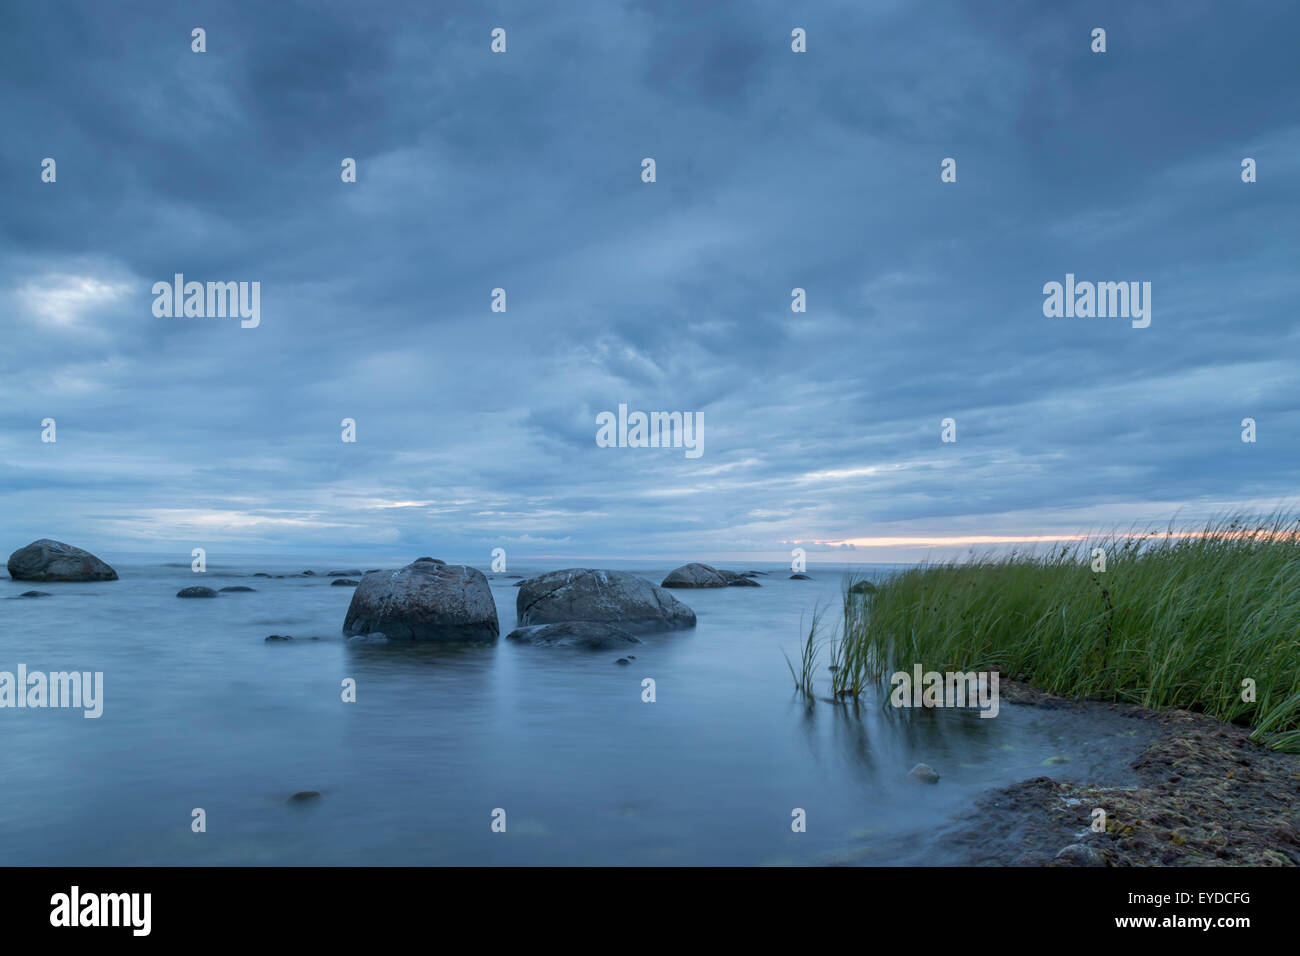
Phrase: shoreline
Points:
(1206, 795)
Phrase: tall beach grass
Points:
(1177, 619)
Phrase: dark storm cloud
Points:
(522, 171)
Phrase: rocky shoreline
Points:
(1205, 795)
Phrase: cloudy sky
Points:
(522, 170)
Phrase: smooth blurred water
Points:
(201, 712)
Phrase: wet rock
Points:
(308, 574)
(1078, 854)
(304, 796)
(427, 600)
(237, 589)
(50, 560)
(623, 660)
(261, 574)
(277, 637)
(196, 592)
(344, 574)
(34, 594)
(583, 634)
(428, 561)
(344, 583)
(372, 638)
(743, 582)
(694, 575)
(925, 773)
(800, 577)
(604, 597)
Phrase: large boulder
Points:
(47, 560)
(424, 601)
(603, 597)
(584, 634)
(695, 575)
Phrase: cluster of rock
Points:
(696, 575)
(430, 600)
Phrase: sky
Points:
(522, 170)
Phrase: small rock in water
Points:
(375, 637)
(925, 773)
(622, 660)
(279, 637)
(1055, 760)
(237, 588)
(800, 577)
(343, 574)
(308, 574)
(863, 587)
(344, 583)
(32, 594)
(261, 574)
(196, 592)
(305, 796)
(1077, 854)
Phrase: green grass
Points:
(1172, 622)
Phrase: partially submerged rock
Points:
(583, 634)
(609, 597)
(237, 589)
(34, 594)
(196, 592)
(344, 583)
(1078, 854)
(925, 773)
(50, 560)
(427, 600)
(695, 575)
(800, 577)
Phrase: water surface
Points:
(201, 712)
